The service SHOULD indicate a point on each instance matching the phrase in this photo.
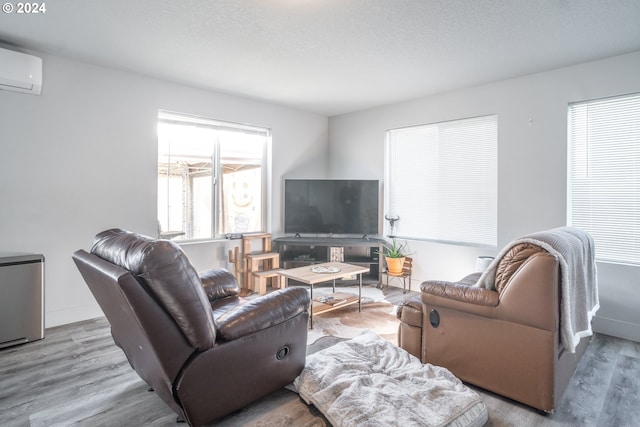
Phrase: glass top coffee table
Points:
(327, 272)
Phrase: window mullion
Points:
(216, 182)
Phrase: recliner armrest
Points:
(410, 312)
(461, 292)
(262, 313)
(219, 283)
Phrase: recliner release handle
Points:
(282, 353)
(434, 318)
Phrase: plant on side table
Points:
(394, 255)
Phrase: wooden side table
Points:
(260, 280)
(249, 256)
(268, 261)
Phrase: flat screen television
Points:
(331, 206)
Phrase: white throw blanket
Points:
(575, 251)
(367, 381)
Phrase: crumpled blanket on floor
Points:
(367, 381)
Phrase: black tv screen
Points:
(331, 206)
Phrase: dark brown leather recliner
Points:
(506, 340)
(205, 351)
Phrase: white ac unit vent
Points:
(20, 72)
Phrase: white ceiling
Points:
(330, 56)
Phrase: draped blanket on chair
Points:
(575, 251)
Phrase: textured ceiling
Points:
(330, 56)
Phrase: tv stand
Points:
(298, 251)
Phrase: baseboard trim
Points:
(616, 328)
(72, 315)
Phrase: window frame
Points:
(217, 220)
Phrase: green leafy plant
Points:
(394, 250)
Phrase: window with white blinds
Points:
(442, 181)
(604, 175)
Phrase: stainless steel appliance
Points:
(21, 298)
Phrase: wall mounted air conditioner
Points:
(20, 72)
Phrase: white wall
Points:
(82, 157)
(532, 157)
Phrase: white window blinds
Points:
(604, 175)
(442, 181)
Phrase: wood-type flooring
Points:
(77, 376)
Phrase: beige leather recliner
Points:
(505, 340)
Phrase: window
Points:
(604, 175)
(211, 177)
(442, 181)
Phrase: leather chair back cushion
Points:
(512, 261)
(165, 270)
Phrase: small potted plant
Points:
(394, 256)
